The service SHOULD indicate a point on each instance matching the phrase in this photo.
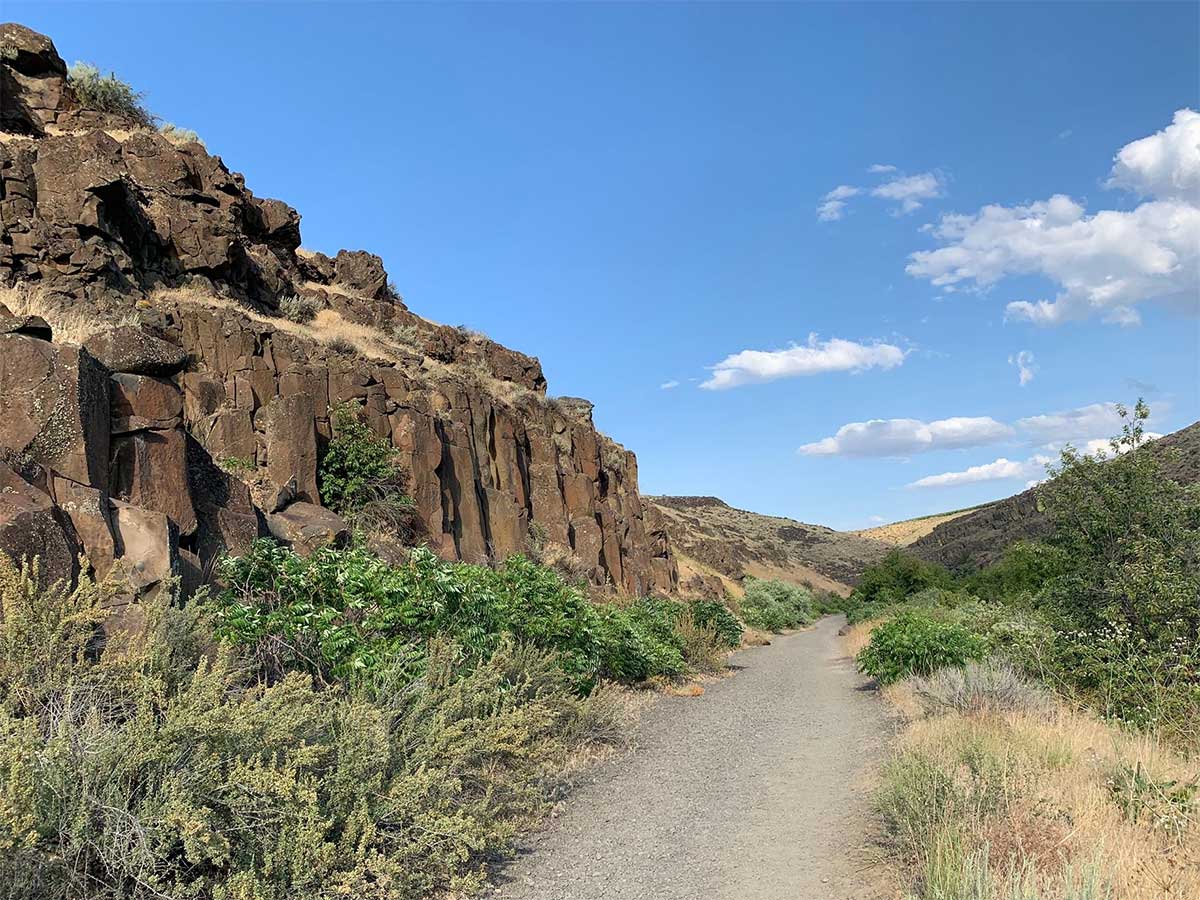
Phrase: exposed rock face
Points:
(195, 412)
(31, 525)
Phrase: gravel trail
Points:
(756, 790)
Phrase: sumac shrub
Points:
(915, 644)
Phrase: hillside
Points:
(170, 358)
(712, 538)
(978, 537)
(904, 532)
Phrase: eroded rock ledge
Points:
(158, 409)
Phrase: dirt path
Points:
(754, 791)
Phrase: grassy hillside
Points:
(709, 534)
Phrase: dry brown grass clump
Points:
(70, 324)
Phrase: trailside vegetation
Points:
(327, 726)
(1054, 750)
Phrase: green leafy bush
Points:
(914, 644)
(347, 614)
(107, 93)
(637, 642)
(358, 478)
(716, 615)
(776, 605)
(893, 580)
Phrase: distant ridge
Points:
(978, 538)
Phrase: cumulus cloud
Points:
(1026, 367)
(1033, 470)
(910, 191)
(833, 204)
(1164, 165)
(1104, 263)
(999, 470)
(814, 358)
(1079, 424)
(669, 385)
(904, 437)
(881, 169)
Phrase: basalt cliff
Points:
(160, 404)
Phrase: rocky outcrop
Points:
(195, 414)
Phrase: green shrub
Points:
(915, 644)
(716, 615)
(301, 310)
(348, 615)
(107, 93)
(776, 605)
(639, 641)
(893, 580)
(358, 478)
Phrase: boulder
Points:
(149, 469)
(291, 444)
(140, 402)
(361, 272)
(227, 521)
(90, 513)
(133, 350)
(147, 546)
(54, 408)
(31, 526)
(33, 80)
(307, 527)
(33, 326)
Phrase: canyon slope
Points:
(717, 544)
(161, 404)
(978, 537)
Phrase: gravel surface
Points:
(756, 790)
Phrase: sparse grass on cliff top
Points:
(108, 93)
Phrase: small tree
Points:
(1130, 538)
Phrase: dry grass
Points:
(901, 534)
(739, 542)
(1028, 803)
(1051, 804)
(71, 325)
(858, 636)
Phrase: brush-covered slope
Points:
(170, 356)
(978, 538)
(712, 538)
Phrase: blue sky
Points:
(634, 194)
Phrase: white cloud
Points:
(1032, 469)
(814, 358)
(1000, 470)
(1104, 264)
(668, 385)
(1164, 165)
(1053, 430)
(834, 203)
(902, 437)
(1026, 367)
(910, 190)
(881, 169)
